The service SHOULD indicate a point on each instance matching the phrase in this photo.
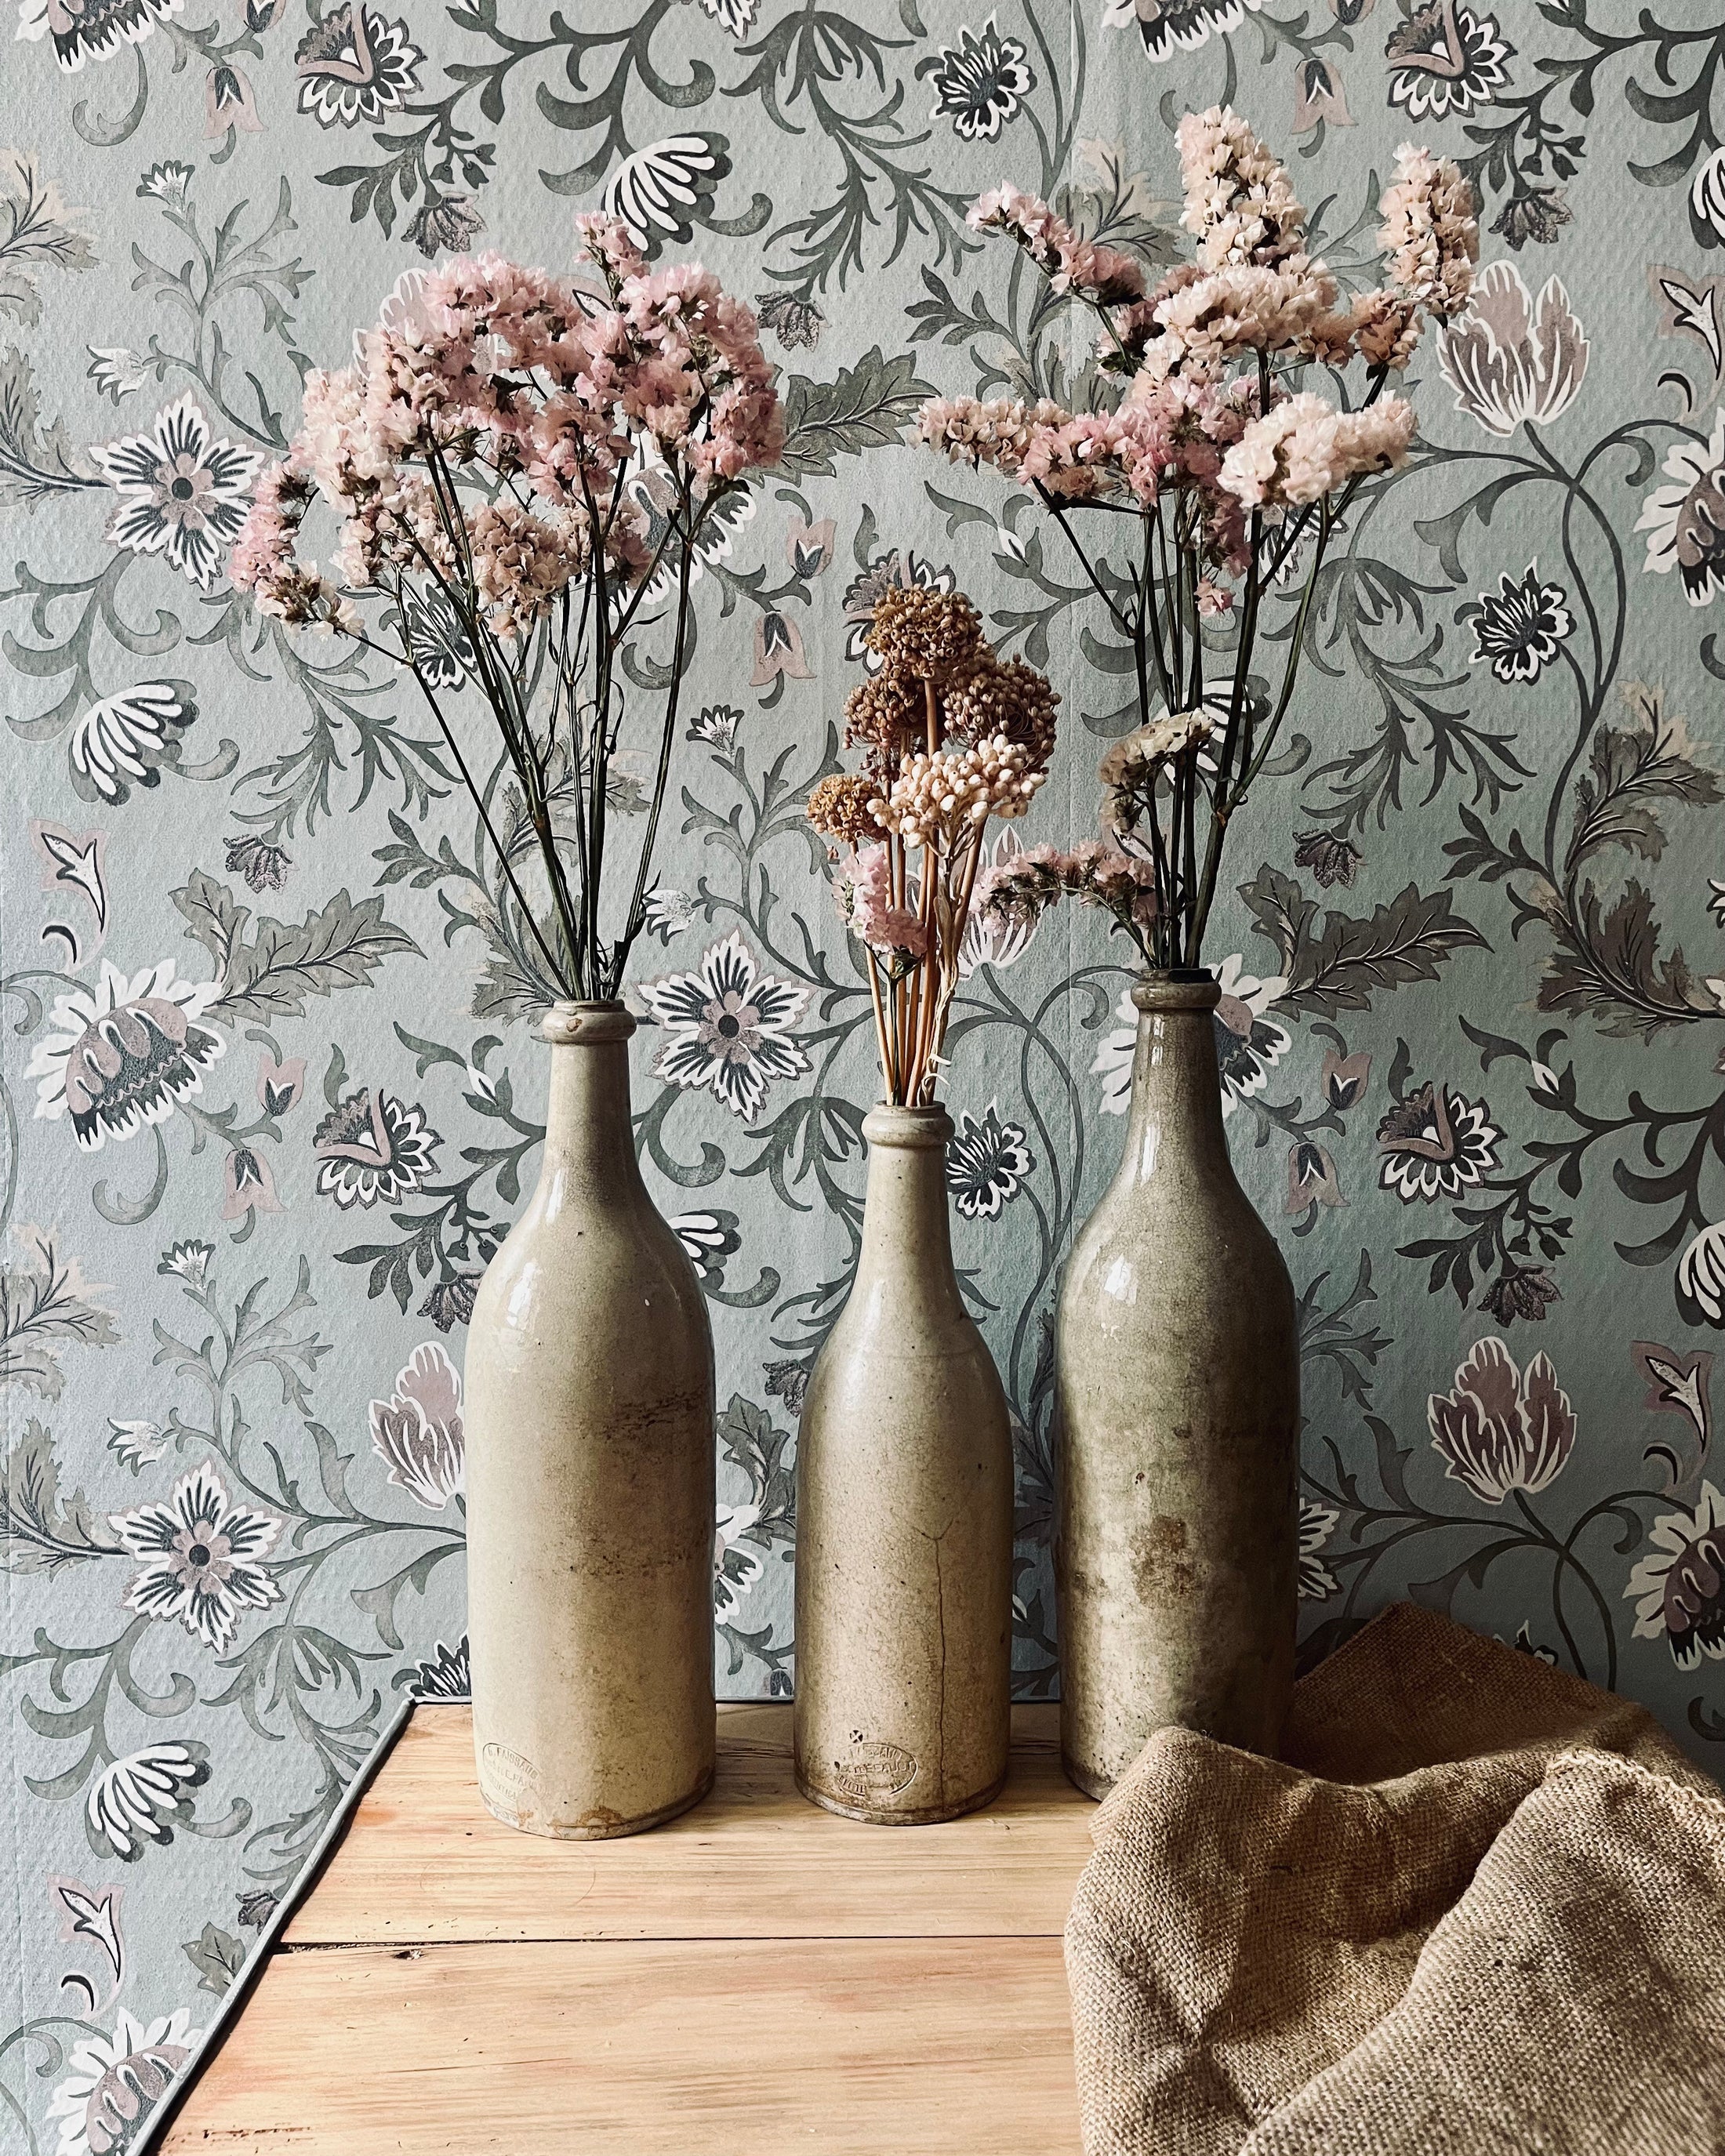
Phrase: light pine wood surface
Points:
(755, 1978)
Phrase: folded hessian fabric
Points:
(1477, 1908)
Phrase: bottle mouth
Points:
(1176, 988)
(585, 1025)
(889, 1124)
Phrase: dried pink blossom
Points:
(1306, 449)
(866, 904)
(1240, 206)
(1086, 268)
(1430, 237)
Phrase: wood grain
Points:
(653, 2048)
(756, 1977)
(424, 1862)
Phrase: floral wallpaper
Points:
(271, 1091)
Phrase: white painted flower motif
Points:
(1685, 521)
(1509, 359)
(1701, 1278)
(449, 1674)
(418, 1429)
(1112, 1062)
(125, 740)
(169, 182)
(116, 370)
(90, 29)
(189, 1261)
(731, 1026)
(1248, 1043)
(371, 1146)
(183, 490)
(992, 940)
(981, 83)
(115, 2083)
(355, 66)
(987, 1162)
(736, 1562)
(1434, 1143)
(142, 1798)
(136, 1444)
(125, 1053)
(1679, 1589)
(1445, 57)
(1169, 26)
(666, 913)
(1317, 1523)
(203, 1557)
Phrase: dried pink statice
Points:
(1305, 449)
(1431, 236)
(866, 906)
(1240, 206)
(997, 432)
(1289, 308)
(1086, 269)
(521, 563)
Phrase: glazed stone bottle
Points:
(590, 1479)
(904, 1517)
(1176, 1553)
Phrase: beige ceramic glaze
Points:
(904, 1518)
(1175, 1557)
(590, 1479)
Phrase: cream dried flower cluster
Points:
(1216, 454)
(937, 800)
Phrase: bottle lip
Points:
(586, 1025)
(890, 1124)
(1176, 988)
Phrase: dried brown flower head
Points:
(1013, 700)
(927, 634)
(839, 809)
(883, 713)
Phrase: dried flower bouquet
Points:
(951, 737)
(1213, 466)
(522, 464)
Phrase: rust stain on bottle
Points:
(1162, 1571)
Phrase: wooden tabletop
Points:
(757, 1977)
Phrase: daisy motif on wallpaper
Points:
(203, 1557)
(184, 491)
(731, 1026)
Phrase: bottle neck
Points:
(906, 1239)
(1175, 1122)
(589, 1137)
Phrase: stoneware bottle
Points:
(1178, 1371)
(904, 1517)
(590, 1479)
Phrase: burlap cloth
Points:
(1478, 1909)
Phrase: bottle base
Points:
(1081, 1778)
(598, 1825)
(924, 1815)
